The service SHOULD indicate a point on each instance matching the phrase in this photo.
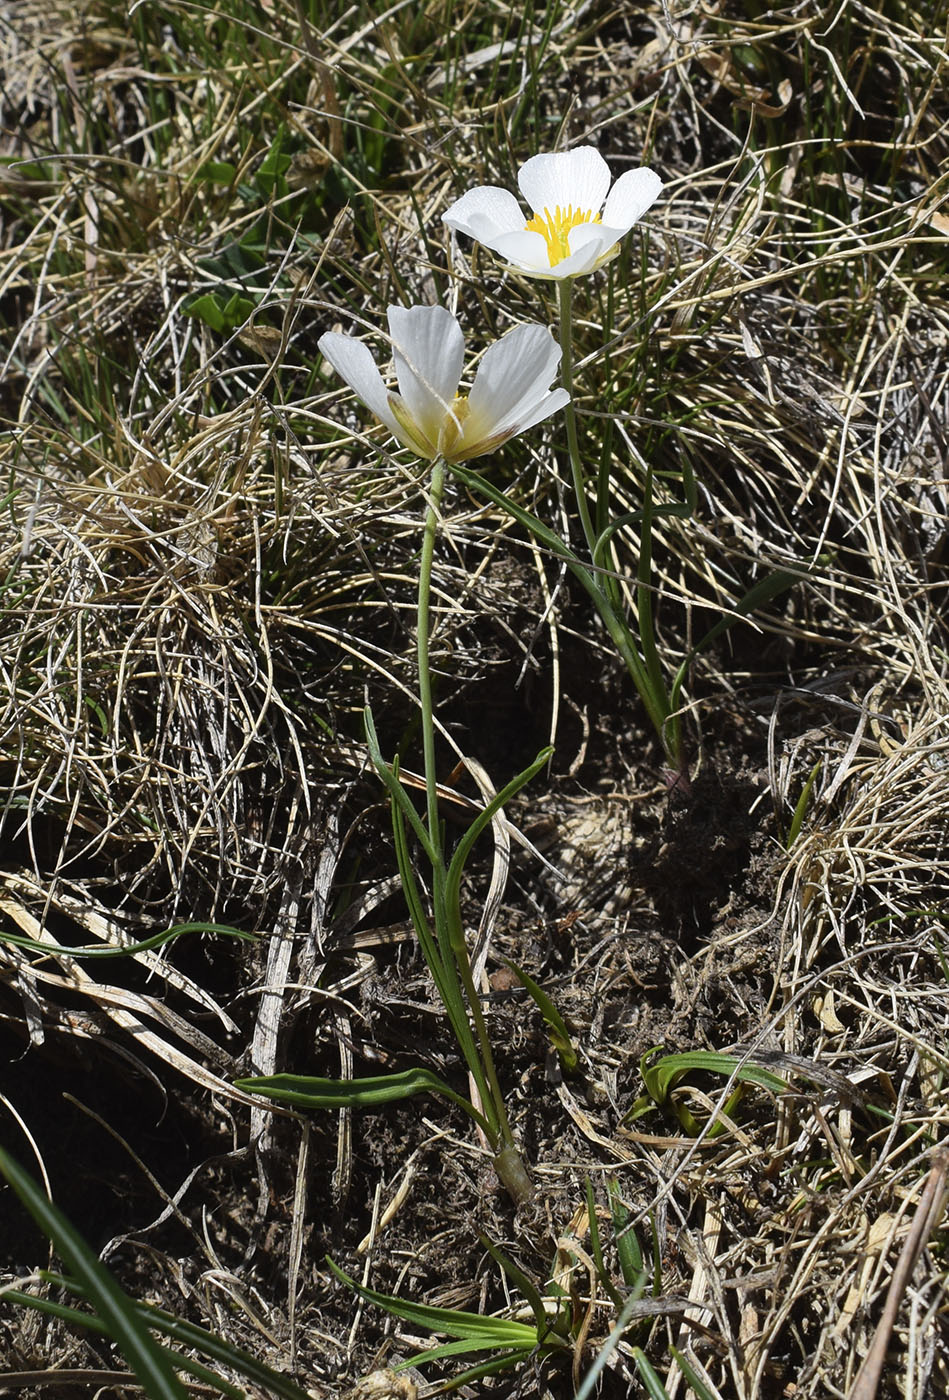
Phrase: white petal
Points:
(471, 446)
(514, 375)
(528, 251)
(353, 362)
(429, 350)
(588, 244)
(485, 212)
(550, 403)
(630, 197)
(577, 179)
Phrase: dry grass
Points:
(208, 564)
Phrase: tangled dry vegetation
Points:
(209, 564)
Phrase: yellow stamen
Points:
(454, 425)
(555, 227)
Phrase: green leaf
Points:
(542, 1320)
(208, 309)
(217, 172)
(797, 821)
(702, 1391)
(237, 309)
(127, 949)
(488, 1332)
(559, 1035)
(146, 1358)
(628, 1248)
(187, 1333)
(662, 1077)
(308, 1091)
(596, 1248)
(760, 593)
(485, 817)
(654, 1386)
(275, 164)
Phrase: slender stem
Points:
(565, 298)
(436, 488)
(453, 965)
(453, 961)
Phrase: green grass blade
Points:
(628, 1249)
(467, 1348)
(800, 811)
(702, 1390)
(760, 593)
(91, 1322)
(662, 1076)
(441, 973)
(395, 788)
(143, 1354)
(596, 1249)
(187, 1333)
(589, 1382)
(654, 1386)
(486, 816)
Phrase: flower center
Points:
(454, 425)
(555, 227)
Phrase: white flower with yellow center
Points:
(577, 222)
(510, 393)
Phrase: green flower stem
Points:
(565, 299)
(456, 984)
(646, 670)
(456, 965)
(653, 698)
(436, 489)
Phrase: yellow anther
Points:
(555, 227)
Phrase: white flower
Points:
(572, 230)
(511, 390)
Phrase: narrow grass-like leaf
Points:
(559, 1035)
(91, 1322)
(702, 1390)
(657, 706)
(760, 593)
(146, 1358)
(395, 788)
(654, 1386)
(176, 1328)
(444, 979)
(523, 1284)
(486, 816)
(311, 1091)
(596, 1249)
(662, 1077)
(797, 821)
(628, 1249)
(441, 964)
(466, 1348)
(490, 1332)
(589, 1381)
(157, 940)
